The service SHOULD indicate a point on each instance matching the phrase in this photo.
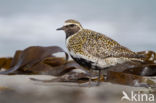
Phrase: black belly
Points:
(86, 64)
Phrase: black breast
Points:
(85, 63)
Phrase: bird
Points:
(94, 50)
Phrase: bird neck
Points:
(71, 32)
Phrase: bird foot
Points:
(99, 79)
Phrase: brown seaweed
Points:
(41, 60)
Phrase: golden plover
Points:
(94, 50)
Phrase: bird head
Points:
(71, 27)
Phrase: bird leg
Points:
(99, 78)
(90, 78)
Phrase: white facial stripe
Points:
(65, 24)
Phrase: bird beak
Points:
(61, 28)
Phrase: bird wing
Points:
(99, 45)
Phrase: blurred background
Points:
(26, 23)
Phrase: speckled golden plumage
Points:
(87, 42)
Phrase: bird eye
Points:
(72, 25)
